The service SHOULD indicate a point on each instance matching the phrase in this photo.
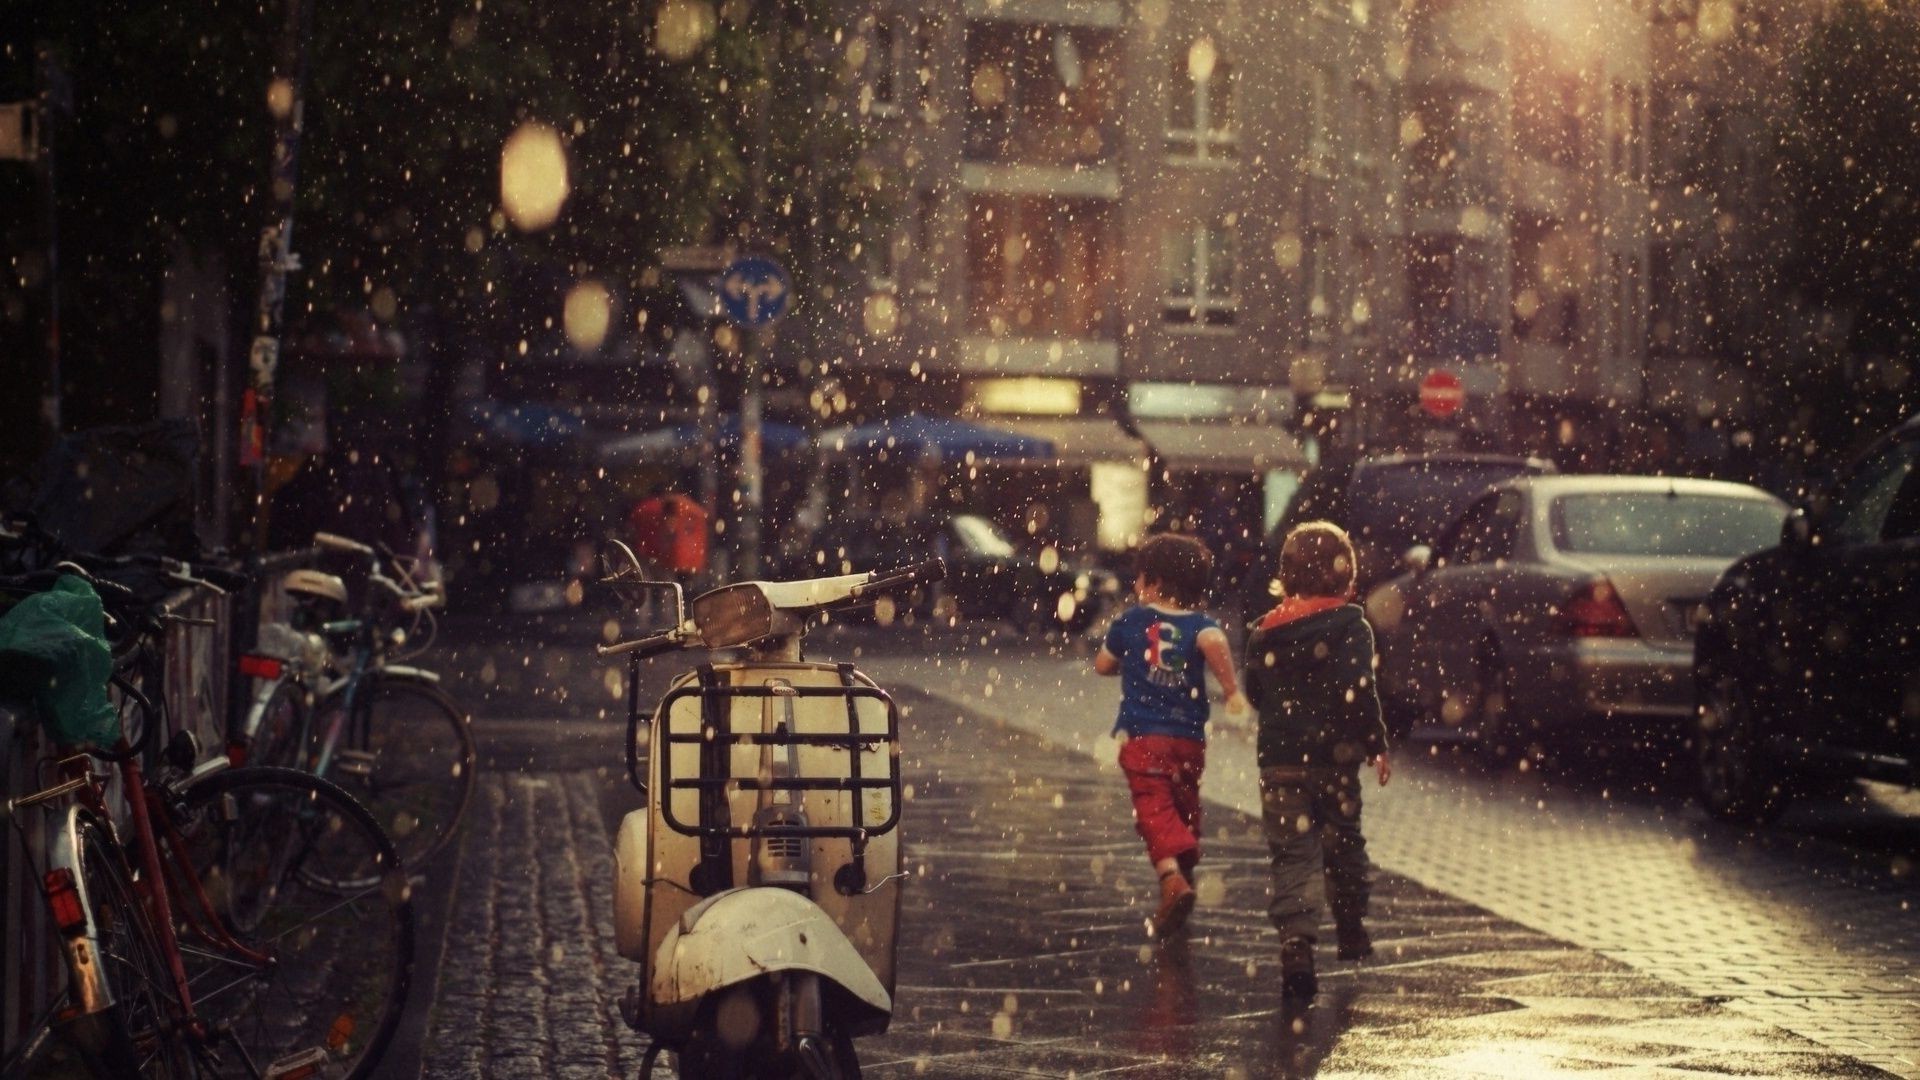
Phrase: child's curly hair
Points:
(1318, 560)
(1180, 565)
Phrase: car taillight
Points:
(63, 897)
(261, 667)
(1595, 610)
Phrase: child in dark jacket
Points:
(1309, 673)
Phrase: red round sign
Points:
(1441, 393)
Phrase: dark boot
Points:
(1296, 969)
(1352, 939)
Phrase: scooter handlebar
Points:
(652, 645)
(921, 573)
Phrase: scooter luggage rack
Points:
(714, 703)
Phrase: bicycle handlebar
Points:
(335, 542)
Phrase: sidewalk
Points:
(1785, 932)
(1023, 952)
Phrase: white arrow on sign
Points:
(769, 291)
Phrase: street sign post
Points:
(754, 291)
(1441, 394)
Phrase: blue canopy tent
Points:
(933, 440)
(526, 424)
(680, 444)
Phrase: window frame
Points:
(1198, 311)
(1200, 141)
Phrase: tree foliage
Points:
(1852, 165)
(407, 108)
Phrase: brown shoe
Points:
(1176, 903)
(1297, 981)
(1352, 940)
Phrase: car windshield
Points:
(1398, 506)
(981, 537)
(1658, 523)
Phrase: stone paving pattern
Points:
(1782, 929)
(529, 983)
(1023, 952)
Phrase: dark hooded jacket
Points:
(1311, 679)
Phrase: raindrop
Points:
(586, 314)
(533, 176)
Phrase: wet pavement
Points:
(1023, 952)
(1810, 925)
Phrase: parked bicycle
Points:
(334, 702)
(224, 922)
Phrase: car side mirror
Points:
(1418, 558)
(1797, 532)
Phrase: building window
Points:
(1039, 267)
(1450, 299)
(1637, 133)
(1201, 268)
(1200, 110)
(1041, 95)
(921, 76)
(1317, 267)
(1617, 123)
(927, 247)
(1319, 121)
(1451, 164)
(1366, 137)
(1366, 287)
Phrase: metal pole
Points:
(758, 343)
(54, 100)
(287, 99)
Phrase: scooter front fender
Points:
(748, 933)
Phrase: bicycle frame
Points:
(166, 886)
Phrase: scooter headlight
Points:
(735, 615)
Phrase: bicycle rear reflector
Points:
(261, 667)
(64, 900)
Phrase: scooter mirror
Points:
(624, 583)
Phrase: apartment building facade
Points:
(1125, 226)
(1171, 221)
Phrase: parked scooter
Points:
(759, 888)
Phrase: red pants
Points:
(1164, 774)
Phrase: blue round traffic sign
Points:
(754, 291)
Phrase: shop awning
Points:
(1078, 440)
(933, 439)
(1222, 446)
(680, 443)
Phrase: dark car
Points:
(1388, 504)
(1807, 663)
(988, 576)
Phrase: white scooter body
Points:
(654, 890)
(692, 906)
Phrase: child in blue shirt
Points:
(1162, 650)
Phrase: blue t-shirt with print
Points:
(1163, 676)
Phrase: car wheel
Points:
(1739, 781)
(1499, 731)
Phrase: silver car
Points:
(1563, 602)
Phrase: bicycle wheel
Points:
(137, 1036)
(280, 738)
(412, 763)
(321, 971)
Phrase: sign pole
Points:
(754, 293)
(753, 397)
(286, 100)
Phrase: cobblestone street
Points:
(1023, 955)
